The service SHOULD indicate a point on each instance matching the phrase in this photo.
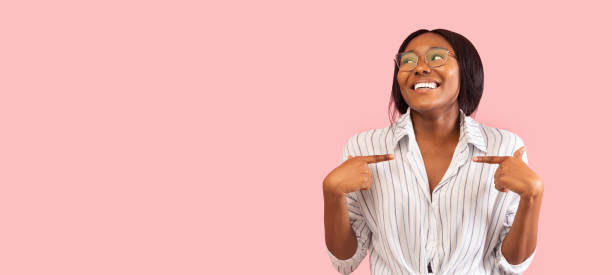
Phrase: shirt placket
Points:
(432, 241)
(433, 246)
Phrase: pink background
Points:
(175, 137)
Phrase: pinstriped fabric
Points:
(457, 229)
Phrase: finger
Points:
(519, 152)
(378, 158)
(497, 173)
(350, 157)
(489, 159)
(367, 185)
(501, 188)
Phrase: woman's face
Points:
(447, 76)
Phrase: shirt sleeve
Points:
(359, 225)
(510, 212)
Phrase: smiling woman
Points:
(408, 193)
(465, 72)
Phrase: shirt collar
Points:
(468, 126)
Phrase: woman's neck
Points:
(437, 126)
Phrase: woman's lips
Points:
(424, 90)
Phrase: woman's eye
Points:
(434, 57)
(407, 61)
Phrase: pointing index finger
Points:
(490, 159)
(378, 158)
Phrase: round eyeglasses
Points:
(434, 57)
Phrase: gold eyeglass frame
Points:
(397, 58)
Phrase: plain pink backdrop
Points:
(187, 137)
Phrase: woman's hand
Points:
(352, 175)
(514, 174)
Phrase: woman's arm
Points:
(347, 235)
(521, 240)
(514, 175)
(339, 236)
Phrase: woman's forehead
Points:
(424, 42)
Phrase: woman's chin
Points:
(422, 103)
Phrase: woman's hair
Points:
(470, 73)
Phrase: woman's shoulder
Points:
(500, 141)
(364, 141)
(373, 133)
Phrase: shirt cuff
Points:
(514, 268)
(348, 265)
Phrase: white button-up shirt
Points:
(457, 229)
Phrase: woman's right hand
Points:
(352, 175)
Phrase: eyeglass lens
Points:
(434, 57)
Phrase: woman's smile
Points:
(423, 85)
(424, 90)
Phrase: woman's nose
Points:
(422, 67)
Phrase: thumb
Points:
(350, 157)
(519, 152)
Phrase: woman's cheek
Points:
(401, 80)
(452, 81)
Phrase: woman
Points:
(436, 191)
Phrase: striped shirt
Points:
(457, 229)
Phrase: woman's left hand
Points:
(514, 174)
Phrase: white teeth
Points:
(430, 85)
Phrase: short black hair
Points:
(470, 72)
